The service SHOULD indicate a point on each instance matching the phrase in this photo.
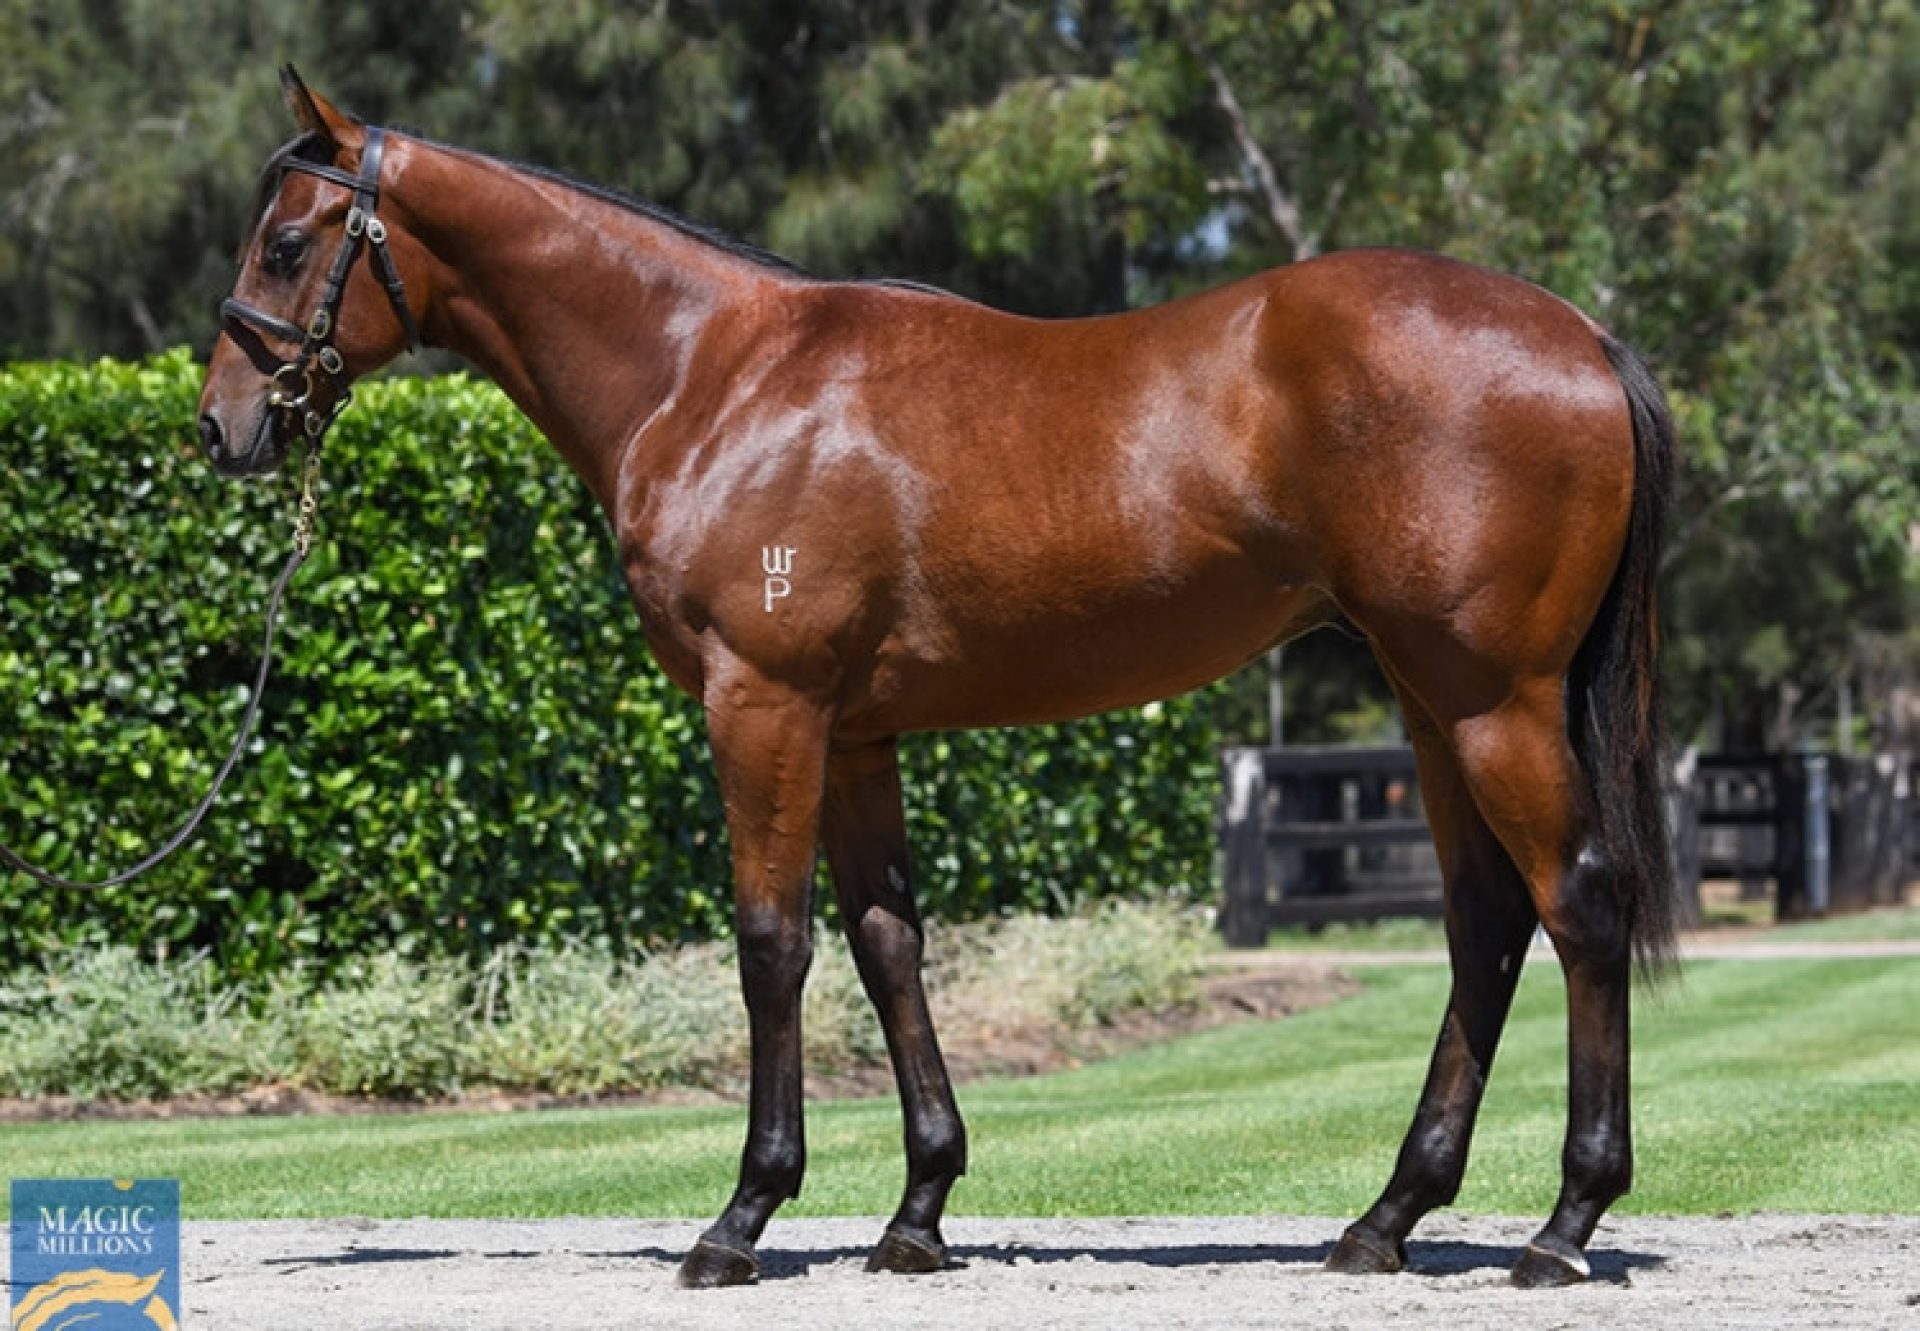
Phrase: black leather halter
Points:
(319, 362)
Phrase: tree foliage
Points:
(1735, 188)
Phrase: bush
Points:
(570, 1020)
(576, 1020)
(1081, 972)
(104, 1024)
(385, 1026)
(465, 744)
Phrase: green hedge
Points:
(466, 741)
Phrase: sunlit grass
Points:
(1759, 1085)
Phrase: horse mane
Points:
(704, 232)
(310, 147)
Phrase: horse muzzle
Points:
(257, 449)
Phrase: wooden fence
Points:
(1320, 834)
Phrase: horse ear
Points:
(313, 112)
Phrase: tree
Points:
(1735, 188)
(1732, 187)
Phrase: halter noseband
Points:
(293, 383)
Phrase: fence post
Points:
(1803, 843)
(1683, 823)
(1819, 842)
(1243, 918)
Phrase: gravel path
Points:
(570, 1275)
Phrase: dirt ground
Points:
(1770, 1271)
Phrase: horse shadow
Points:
(1432, 1259)
(368, 1257)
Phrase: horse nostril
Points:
(210, 434)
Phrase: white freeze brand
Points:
(776, 561)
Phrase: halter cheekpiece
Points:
(319, 361)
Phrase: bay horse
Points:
(849, 510)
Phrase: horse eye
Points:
(284, 253)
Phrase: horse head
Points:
(306, 318)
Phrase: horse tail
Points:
(1615, 719)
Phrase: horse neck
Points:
(586, 313)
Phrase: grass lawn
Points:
(1896, 924)
(1790, 1085)
(1395, 935)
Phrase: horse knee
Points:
(775, 948)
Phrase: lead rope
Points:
(302, 543)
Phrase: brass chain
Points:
(309, 505)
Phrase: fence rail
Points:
(1324, 834)
(1320, 835)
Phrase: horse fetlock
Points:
(937, 1150)
(773, 1172)
(1432, 1164)
(1598, 1168)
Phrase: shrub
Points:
(576, 1020)
(102, 1023)
(385, 1026)
(571, 1019)
(1081, 972)
(465, 744)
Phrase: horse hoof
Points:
(1359, 1254)
(1549, 1263)
(713, 1266)
(903, 1254)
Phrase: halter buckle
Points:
(320, 325)
(376, 231)
(331, 360)
(277, 390)
(356, 221)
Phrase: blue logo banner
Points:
(103, 1254)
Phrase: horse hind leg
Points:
(866, 843)
(1489, 919)
(1528, 784)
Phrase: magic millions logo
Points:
(95, 1254)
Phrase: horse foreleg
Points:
(1489, 919)
(866, 843)
(770, 750)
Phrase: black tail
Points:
(1615, 717)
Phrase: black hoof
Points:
(713, 1266)
(1549, 1263)
(1361, 1254)
(903, 1254)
